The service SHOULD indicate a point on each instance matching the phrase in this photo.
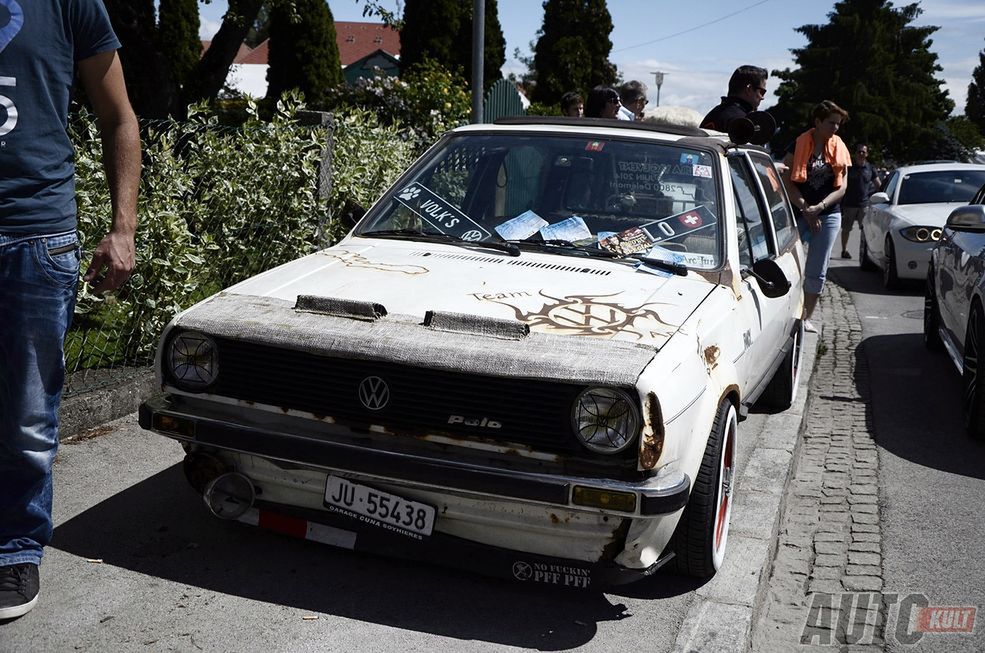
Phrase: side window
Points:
(779, 210)
(751, 232)
(891, 185)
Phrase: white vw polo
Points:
(529, 358)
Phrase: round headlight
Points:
(605, 420)
(193, 360)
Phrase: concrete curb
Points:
(721, 615)
(122, 394)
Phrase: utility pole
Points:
(478, 57)
(658, 78)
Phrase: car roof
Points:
(939, 167)
(606, 128)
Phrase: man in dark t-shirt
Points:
(746, 90)
(863, 180)
(42, 45)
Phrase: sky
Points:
(697, 50)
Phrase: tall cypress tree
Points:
(431, 30)
(303, 52)
(572, 51)
(871, 61)
(177, 30)
(974, 107)
(494, 45)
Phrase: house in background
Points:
(363, 47)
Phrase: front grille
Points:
(420, 400)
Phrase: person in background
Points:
(863, 180)
(816, 178)
(746, 90)
(42, 46)
(602, 102)
(572, 105)
(632, 94)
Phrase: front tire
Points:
(782, 389)
(702, 533)
(890, 277)
(864, 261)
(931, 315)
(973, 385)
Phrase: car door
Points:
(877, 220)
(760, 318)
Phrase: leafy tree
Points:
(871, 61)
(303, 51)
(572, 51)
(974, 108)
(178, 33)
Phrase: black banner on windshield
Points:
(441, 215)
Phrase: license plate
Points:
(379, 508)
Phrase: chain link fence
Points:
(217, 204)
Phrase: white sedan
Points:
(903, 223)
(529, 359)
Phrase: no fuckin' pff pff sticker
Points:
(440, 214)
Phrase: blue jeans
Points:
(819, 246)
(38, 279)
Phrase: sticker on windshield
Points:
(595, 146)
(440, 214)
(522, 226)
(639, 239)
(690, 158)
(702, 171)
(572, 230)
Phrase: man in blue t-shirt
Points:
(42, 44)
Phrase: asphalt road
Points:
(138, 564)
(932, 475)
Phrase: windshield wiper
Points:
(414, 234)
(677, 268)
(555, 244)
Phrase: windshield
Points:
(941, 186)
(619, 197)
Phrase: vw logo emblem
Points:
(472, 235)
(522, 570)
(374, 393)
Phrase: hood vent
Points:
(476, 325)
(540, 265)
(349, 308)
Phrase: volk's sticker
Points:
(441, 214)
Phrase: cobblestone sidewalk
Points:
(829, 537)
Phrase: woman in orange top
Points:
(816, 178)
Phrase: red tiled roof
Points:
(356, 40)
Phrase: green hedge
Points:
(218, 204)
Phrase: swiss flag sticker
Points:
(691, 220)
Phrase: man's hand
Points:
(112, 262)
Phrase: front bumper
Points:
(655, 497)
(912, 258)
(445, 550)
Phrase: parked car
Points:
(528, 359)
(954, 306)
(902, 224)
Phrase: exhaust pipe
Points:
(230, 495)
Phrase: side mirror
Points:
(967, 218)
(757, 128)
(879, 198)
(771, 278)
(352, 213)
